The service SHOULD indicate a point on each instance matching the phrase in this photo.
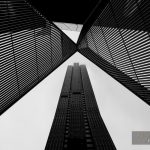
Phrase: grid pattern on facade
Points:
(120, 36)
(30, 48)
(77, 123)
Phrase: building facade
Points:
(77, 123)
(31, 47)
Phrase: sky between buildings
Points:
(71, 30)
(26, 125)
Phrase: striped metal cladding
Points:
(120, 36)
(30, 48)
(17, 15)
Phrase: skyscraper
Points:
(115, 37)
(77, 123)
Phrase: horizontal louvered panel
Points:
(56, 46)
(17, 15)
(44, 53)
(121, 37)
(30, 49)
(8, 82)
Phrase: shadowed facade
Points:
(77, 123)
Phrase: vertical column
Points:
(77, 123)
(76, 86)
(56, 136)
(98, 128)
(75, 113)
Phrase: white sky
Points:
(26, 125)
(72, 34)
(70, 29)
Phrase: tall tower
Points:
(77, 123)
